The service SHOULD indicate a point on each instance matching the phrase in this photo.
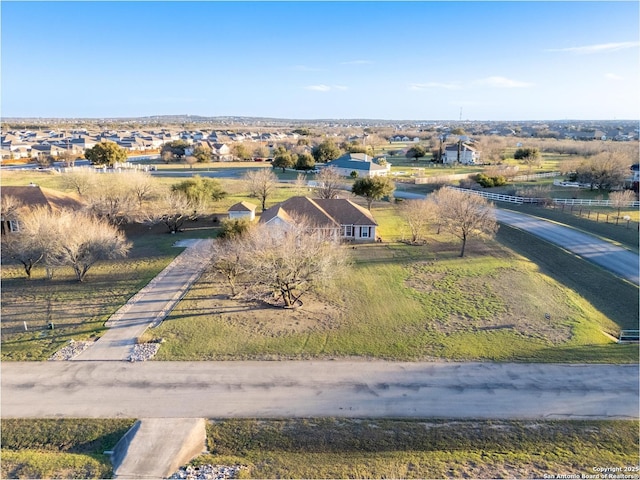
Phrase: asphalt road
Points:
(317, 388)
(618, 260)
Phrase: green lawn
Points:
(416, 303)
(370, 448)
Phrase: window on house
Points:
(365, 232)
(348, 231)
(13, 226)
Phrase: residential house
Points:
(32, 196)
(242, 210)
(340, 218)
(362, 164)
(468, 155)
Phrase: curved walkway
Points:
(150, 305)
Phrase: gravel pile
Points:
(71, 350)
(208, 472)
(143, 351)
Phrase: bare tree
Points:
(621, 199)
(172, 208)
(142, 185)
(261, 184)
(190, 160)
(329, 183)
(418, 214)
(112, 198)
(604, 171)
(81, 180)
(35, 242)
(10, 207)
(64, 238)
(300, 183)
(291, 262)
(19, 245)
(85, 240)
(464, 215)
(229, 259)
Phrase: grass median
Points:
(371, 448)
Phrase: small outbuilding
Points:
(243, 210)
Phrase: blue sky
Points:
(310, 60)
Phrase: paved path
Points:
(317, 388)
(157, 447)
(620, 261)
(152, 304)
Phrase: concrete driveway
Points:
(317, 388)
(150, 305)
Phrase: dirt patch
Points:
(211, 297)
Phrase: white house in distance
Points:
(243, 210)
(340, 218)
(468, 155)
(361, 163)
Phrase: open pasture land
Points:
(367, 448)
(406, 302)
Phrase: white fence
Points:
(525, 178)
(559, 201)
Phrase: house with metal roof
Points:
(362, 164)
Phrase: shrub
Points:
(488, 182)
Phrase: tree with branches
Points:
(81, 180)
(464, 215)
(418, 215)
(329, 183)
(373, 188)
(261, 184)
(290, 263)
(622, 199)
(106, 153)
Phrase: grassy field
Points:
(369, 448)
(340, 448)
(69, 448)
(78, 310)
(491, 305)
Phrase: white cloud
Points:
(502, 82)
(613, 76)
(424, 86)
(325, 88)
(598, 48)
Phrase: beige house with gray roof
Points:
(339, 217)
